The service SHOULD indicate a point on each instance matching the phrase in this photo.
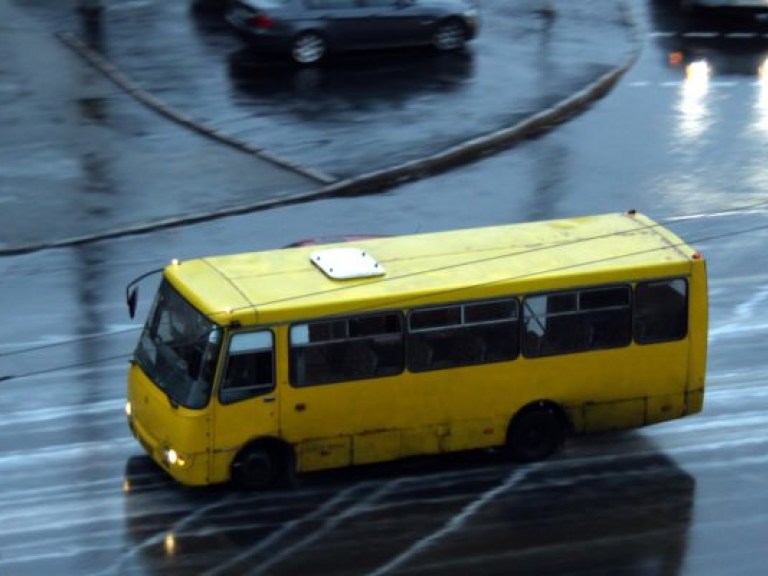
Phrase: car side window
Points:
(331, 4)
(383, 3)
(249, 367)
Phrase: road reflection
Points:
(451, 515)
(357, 82)
(710, 51)
(730, 45)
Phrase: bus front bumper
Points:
(186, 468)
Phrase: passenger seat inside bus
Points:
(420, 355)
(360, 361)
(467, 349)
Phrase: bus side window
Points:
(589, 319)
(353, 348)
(360, 361)
(661, 311)
(463, 334)
(552, 325)
(608, 315)
(249, 367)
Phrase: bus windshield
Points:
(178, 349)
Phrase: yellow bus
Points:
(254, 365)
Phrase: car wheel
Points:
(308, 48)
(534, 435)
(450, 35)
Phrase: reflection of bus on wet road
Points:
(328, 356)
(629, 513)
(725, 6)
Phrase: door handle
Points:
(300, 407)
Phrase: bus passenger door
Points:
(246, 402)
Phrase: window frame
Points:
(234, 394)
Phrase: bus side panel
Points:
(456, 409)
(420, 440)
(665, 407)
(665, 366)
(336, 425)
(323, 453)
(614, 415)
(375, 446)
(606, 389)
(600, 390)
(469, 433)
(698, 323)
(465, 408)
(424, 413)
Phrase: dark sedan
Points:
(308, 30)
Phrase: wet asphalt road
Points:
(362, 113)
(117, 164)
(686, 497)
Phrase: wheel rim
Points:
(308, 49)
(449, 36)
(535, 436)
(255, 470)
(536, 439)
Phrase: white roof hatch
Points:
(346, 263)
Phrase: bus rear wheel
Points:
(535, 434)
(257, 467)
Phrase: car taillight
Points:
(261, 21)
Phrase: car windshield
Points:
(178, 349)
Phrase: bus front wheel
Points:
(535, 434)
(258, 466)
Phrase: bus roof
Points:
(282, 285)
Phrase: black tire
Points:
(257, 467)
(450, 35)
(308, 48)
(535, 435)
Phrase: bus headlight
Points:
(173, 458)
(128, 409)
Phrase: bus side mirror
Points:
(131, 298)
(132, 291)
